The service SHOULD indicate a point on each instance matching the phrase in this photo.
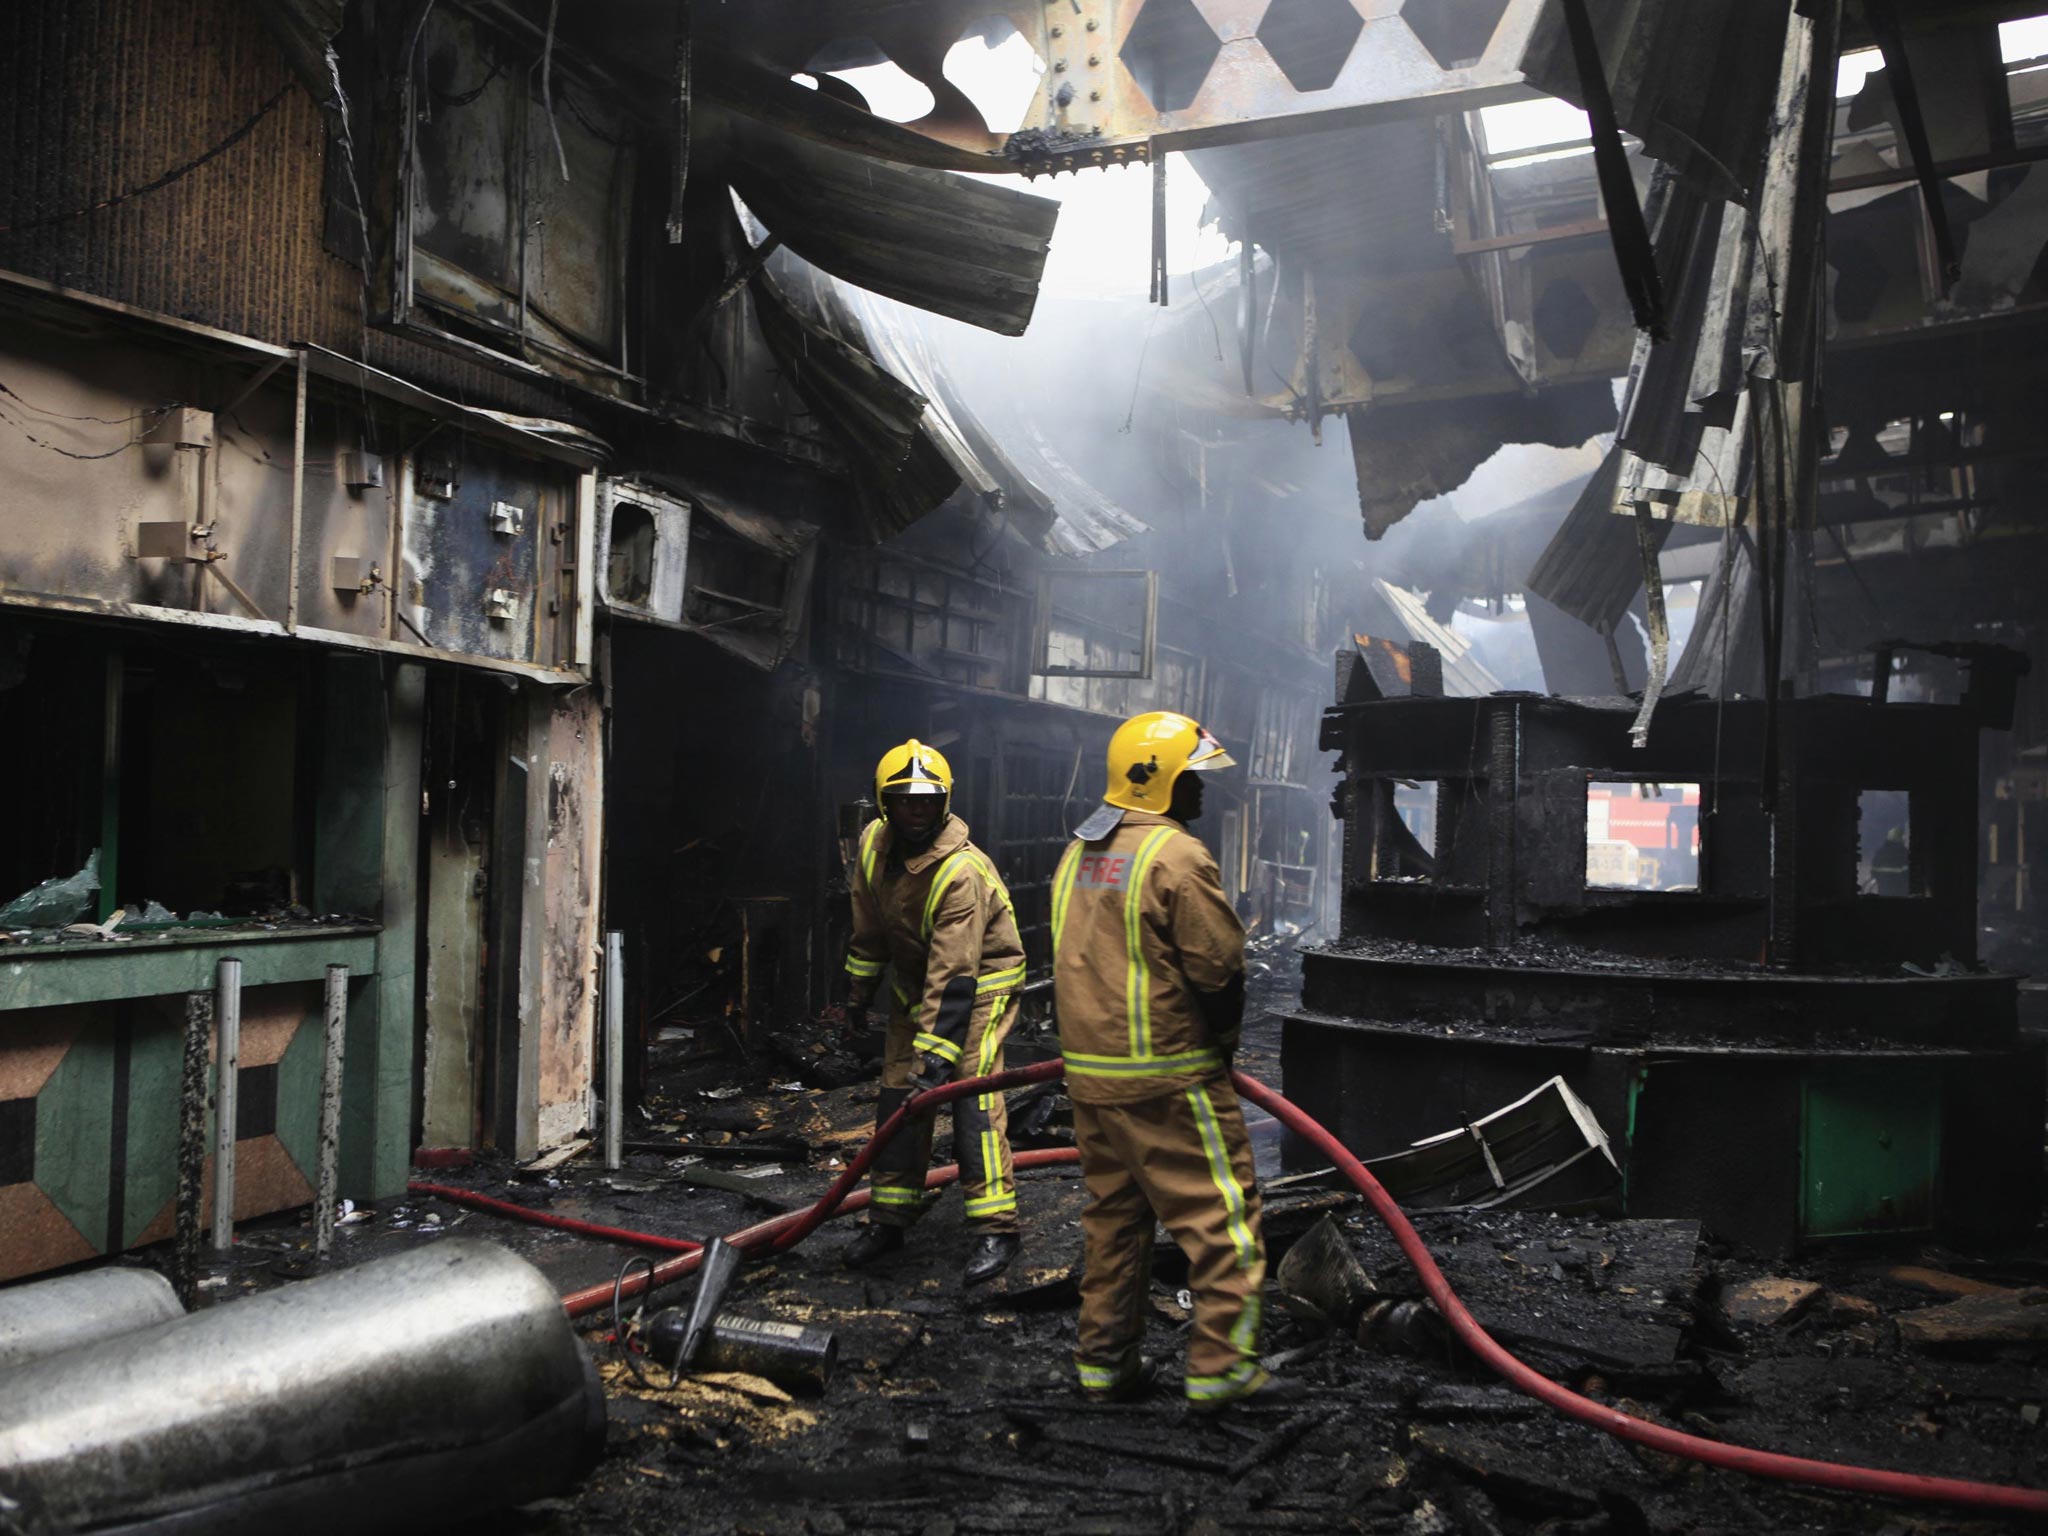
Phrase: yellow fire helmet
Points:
(913, 769)
(1146, 755)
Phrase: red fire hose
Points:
(783, 1232)
(1713, 1453)
(632, 1239)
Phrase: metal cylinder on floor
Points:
(48, 1317)
(800, 1359)
(398, 1395)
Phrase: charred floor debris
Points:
(481, 482)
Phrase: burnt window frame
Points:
(1042, 626)
(515, 346)
(1605, 777)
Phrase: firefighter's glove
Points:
(927, 1072)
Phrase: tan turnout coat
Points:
(941, 922)
(1138, 917)
(936, 919)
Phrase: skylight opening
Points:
(2024, 39)
(1854, 69)
(1540, 124)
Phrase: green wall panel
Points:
(1871, 1148)
(156, 1071)
(298, 1094)
(75, 1129)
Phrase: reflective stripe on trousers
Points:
(980, 1126)
(1181, 1158)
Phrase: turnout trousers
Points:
(981, 1139)
(1182, 1157)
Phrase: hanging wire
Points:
(69, 453)
(176, 173)
(105, 421)
(1138, 378)
(547, 93)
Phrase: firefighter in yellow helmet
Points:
(930, 908)
(1148, 976)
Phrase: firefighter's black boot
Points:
(991, 1257)
(1264, 1390)
(869, 1244)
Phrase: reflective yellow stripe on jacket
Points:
(944, 878)
(1062, 892)
(1137, 975)
(1140, 925)
(1200, 1062)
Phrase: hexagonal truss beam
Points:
(1092, 109)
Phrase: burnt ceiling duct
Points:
(954, 246)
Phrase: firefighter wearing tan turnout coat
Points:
(1148, 975)
(930, 909)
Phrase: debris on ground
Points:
(955, 1411)
(1767, 1301)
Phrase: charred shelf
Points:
(1626, 998)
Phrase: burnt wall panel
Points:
(1552, 828)
(476, 559)
(104, 97)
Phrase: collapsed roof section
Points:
(1406, 456)
(1694, 83)
(1367, 304)
(869, 366)
(1001, 453)
(1735, 214)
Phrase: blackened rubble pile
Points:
(953, 1410)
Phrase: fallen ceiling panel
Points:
(1593, 566)
(1407, 455)
(949, 244)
